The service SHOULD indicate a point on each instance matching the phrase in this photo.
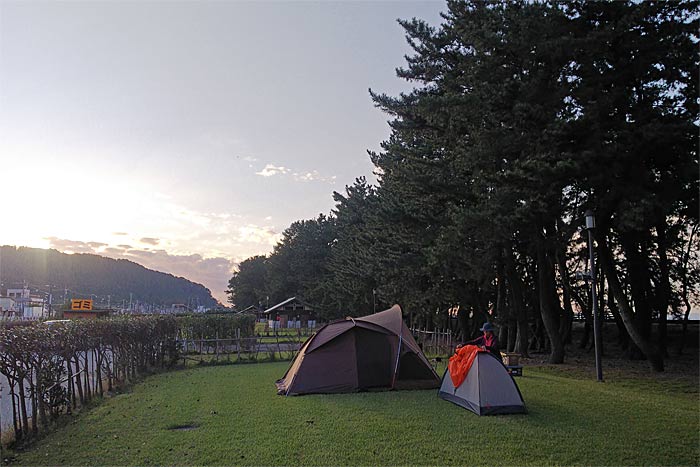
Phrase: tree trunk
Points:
(23, 408)
(601, 307)
(33, 396)
(640, 285)
(588, 319)
(663, 296)
(71, 391)
(97, 358)
(626, 311)
(549, 306)
(518, 303)
(87, 389)
(623, 336)
(78, 383)
(16, 423)
(684, 294)
(568, 321)
(463, 323)
(40, 386)
(501, 312)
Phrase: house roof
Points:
(281, 304)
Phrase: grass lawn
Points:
(240, 420)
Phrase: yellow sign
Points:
(80, 305)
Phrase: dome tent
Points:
(488, 389)
(357, 354)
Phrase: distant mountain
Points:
(82, 275)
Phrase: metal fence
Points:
(241, 349)
(435, 343)
(273, 346)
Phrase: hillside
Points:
(85, 274)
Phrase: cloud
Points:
(120, 233)
(271, 170)
(96, 244)
(70, 246)
(150, 240)
(125, 247)
(254, 234)
(111, 251)
(312, 176)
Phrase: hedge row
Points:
(52, 368)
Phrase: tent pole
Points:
(396, 367)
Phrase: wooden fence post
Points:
(238, 346)
(278, 345)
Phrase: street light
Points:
(590, 225)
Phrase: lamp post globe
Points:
(590, 220)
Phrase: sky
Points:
(186, 136)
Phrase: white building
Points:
(18, 294)
(27, 306)
(8, 307)
(33, 310)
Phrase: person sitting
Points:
(488, 341)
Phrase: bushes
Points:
(56, 367)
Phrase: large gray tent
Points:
(488, 389)
(357, 354)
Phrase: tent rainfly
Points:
(358, 354)
(488, 389)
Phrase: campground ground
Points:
(231, 415)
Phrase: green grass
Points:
(241, 421)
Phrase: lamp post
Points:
(590, 225)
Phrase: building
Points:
(291, 313)
(33, 310)
(28, 305)
(18, 294)
(8, 307)
(252, 309)
(179, 308)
